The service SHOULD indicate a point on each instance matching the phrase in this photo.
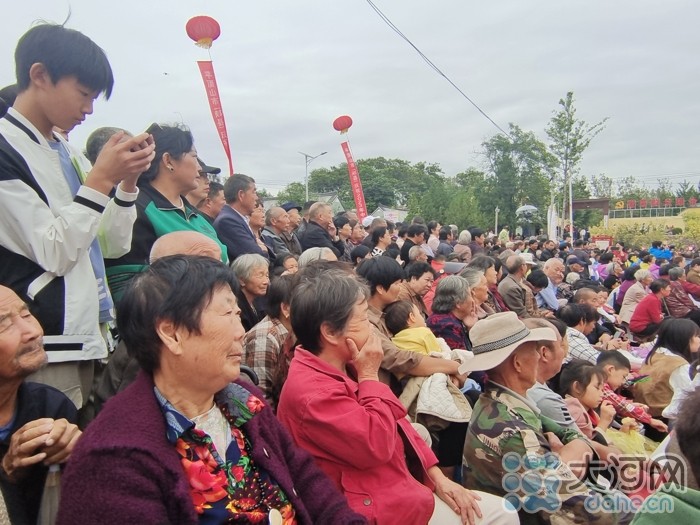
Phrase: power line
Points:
(432, 65)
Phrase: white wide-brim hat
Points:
(497, 336)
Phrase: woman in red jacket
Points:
(650, 311)
(336, 408)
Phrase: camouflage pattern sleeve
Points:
(508, 455)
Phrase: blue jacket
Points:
(235, 233)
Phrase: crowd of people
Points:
(173, 352)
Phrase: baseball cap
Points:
(290, 206)
(211, 170)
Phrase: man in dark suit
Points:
(231, 224)
(317, 232)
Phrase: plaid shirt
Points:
(261, 350)
(579, 347)
(623, 406)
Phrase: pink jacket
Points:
(360, 437)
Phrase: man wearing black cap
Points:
(290, 238)
(197, 196)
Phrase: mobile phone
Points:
(617, 335)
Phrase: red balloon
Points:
(342, 124)
(203, 30)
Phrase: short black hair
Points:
(176, 288)
(358, 253)
(64, 53)
(380, 271)
(538, 279)
(432, 225)
(340, 221)
(476, 232)
(396, 316)
(214, 189)
(615, 358)
(658, 284)
(377, 234)
(175, 140)
(573, 314)
(418, 269)
(444, 233)
(416, 229)
(279, 291)
(663, 270)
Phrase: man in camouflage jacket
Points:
(512, 450)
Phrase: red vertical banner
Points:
(355, 182)
(206, 68)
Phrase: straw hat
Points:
(497, 336)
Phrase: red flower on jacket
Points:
(254, 404)
(206, 485)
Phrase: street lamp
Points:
(309, 159)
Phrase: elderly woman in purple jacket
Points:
(187, 442)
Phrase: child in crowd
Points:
(581, 384)
(616, 367)
(286, 264)
(405, 321)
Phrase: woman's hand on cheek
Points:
(368, 359)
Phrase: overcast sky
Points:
(286, 69)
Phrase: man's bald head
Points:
(184, 243)
(586, 296)
(21, 339)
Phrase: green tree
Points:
(602, 186)
(519, 169)
(589, 217)
(294, 191)
(263, 193)
(687, 190)
(569, 137)
(384, 181)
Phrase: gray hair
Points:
(414, 252)
(640, 275)
(327, 298)
(236, 184)
(465, 237)
(316, 253)
(97, 140)
(244, 265)
(551, 262)
(317, 209)
(472, 275)
(273, 214)
(513, 263)
(450, 291)
(675, 273)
